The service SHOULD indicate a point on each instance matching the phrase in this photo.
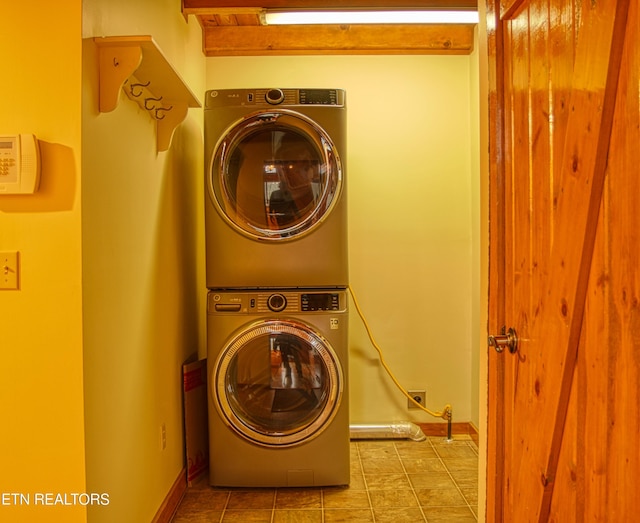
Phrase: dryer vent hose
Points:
(398, 430)
(445, 413)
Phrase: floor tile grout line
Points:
(444, 462)
(469, 445)
(366, 485)
(413, 490)
(226, 505)
(273, 506)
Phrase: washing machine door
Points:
(275, 175)
(278, 383)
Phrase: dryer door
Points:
(277, 383)
(275, 175)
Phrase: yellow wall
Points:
(142, 268)
(111, 277)
(413, 222)
(42, 434)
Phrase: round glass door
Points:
(278, 383)
(275, 175)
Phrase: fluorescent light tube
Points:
(369, 17)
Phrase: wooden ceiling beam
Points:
(232, 28)
(195, 6)
(224, 19)
(338, 39)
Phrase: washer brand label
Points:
(334, 323)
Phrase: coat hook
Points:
(158, 117)
(147, 100)
(133, 86)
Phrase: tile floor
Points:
(399, 481)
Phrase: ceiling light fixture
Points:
(304, 17)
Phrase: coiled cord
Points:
(444, 414)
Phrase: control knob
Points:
(274, 96)
(277, 302)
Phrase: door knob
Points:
(507, 339)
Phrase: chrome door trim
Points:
(222, 389)
(252, 124)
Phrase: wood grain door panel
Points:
(554, 90)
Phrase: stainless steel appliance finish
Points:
(275, 202)
(278, 396)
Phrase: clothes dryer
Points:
(278, 396)
(275, 203)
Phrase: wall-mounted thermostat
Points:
(19, 164)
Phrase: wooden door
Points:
(564, 410)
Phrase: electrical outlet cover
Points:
(422, 394)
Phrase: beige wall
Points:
(413, 223)
(142, 270)
(42, 435)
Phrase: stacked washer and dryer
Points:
(277, 274)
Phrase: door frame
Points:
(486, 38)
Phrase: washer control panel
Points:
(320, 301)
(244, 302)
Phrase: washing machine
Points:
(278, 396)
(275, 198)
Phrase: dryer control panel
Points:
(274, 97)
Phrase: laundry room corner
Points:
(413, 219)
(143, 278)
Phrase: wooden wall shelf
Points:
(136, 65)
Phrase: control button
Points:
(335, 302)
(274, 96)
(277, 302)
(228, 307)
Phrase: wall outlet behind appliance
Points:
(419, 396)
